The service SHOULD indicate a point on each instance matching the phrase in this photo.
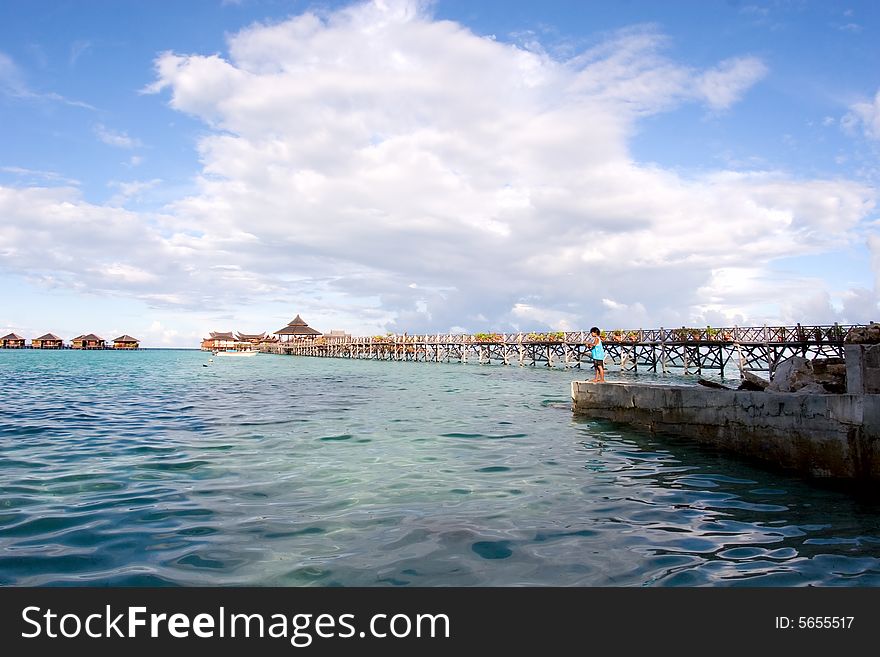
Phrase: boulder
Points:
(869, 334)
(812, 388)
(791, 375)
(797, 374)
(830, 373)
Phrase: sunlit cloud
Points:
(381, 168)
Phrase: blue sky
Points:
(168, 169)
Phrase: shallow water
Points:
(147, 468)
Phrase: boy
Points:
(598, 354)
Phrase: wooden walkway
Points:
(691, 351)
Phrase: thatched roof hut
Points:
(219, 340)
(125, 342)
(48, 341)
(12, 341)
(89, 341)
(297, 328)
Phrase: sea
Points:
(178, 468)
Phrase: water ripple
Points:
(146, 469)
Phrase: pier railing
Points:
(691, 350)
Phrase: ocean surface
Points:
(150, 468)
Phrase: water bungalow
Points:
(125, 342)
(90, 341)
(12, 341)
(219, 341)
(249, 338)
(48, 341)
(249, 341)
(297, 329)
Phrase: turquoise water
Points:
(147, 468)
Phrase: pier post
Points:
(663, 350)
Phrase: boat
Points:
(232, 352)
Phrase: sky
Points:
(170, 169)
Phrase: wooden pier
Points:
(691, 351)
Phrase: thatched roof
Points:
(86, 338)
(222, 336)
(12, 336)
(297, 327)
(126, 339)
(48, 336)
(247, 336)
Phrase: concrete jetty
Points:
(818, 435)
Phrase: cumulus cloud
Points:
(375, 166)
(61, 241)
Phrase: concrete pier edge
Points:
(818, 435)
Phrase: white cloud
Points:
(374, 166)
(866, 115)
(30, 175)
(726, 83)
(158, 334)
(855, 28)
(125, 273)
(132, 190)
(860, 306)
(115, 138)
(77, 49)
(14, 85)
(11, 81)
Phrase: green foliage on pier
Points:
(552, 336)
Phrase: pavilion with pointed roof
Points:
(297, 328)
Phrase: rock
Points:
(823, 366)
(791, 375)
(712, 384)
(753, 382)
(830, 373)
(864, 334)
(812, 388)
(820, 376)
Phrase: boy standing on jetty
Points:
(598, 354)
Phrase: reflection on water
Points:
(146, 468)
